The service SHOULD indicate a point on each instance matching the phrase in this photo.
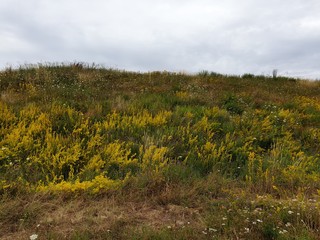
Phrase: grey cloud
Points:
(225, 36)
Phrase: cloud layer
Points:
(230, 36)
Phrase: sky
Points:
(227, 36)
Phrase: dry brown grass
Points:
(149, 204)
(64, 218)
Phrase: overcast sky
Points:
(225, 36)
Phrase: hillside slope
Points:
(188, 156)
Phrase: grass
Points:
(94, 153)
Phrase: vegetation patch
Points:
(173, 156)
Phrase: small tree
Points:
(274, 73)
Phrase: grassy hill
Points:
(94, 153)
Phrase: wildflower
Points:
(247, 229)
(288, 224)
(212, 230)
(260, 221)
(254, 222)
(205, 233)
(224, 218)
(33, 237)
(169, 227)
(283, 231)
(290, 212)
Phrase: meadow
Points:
(93, 153)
